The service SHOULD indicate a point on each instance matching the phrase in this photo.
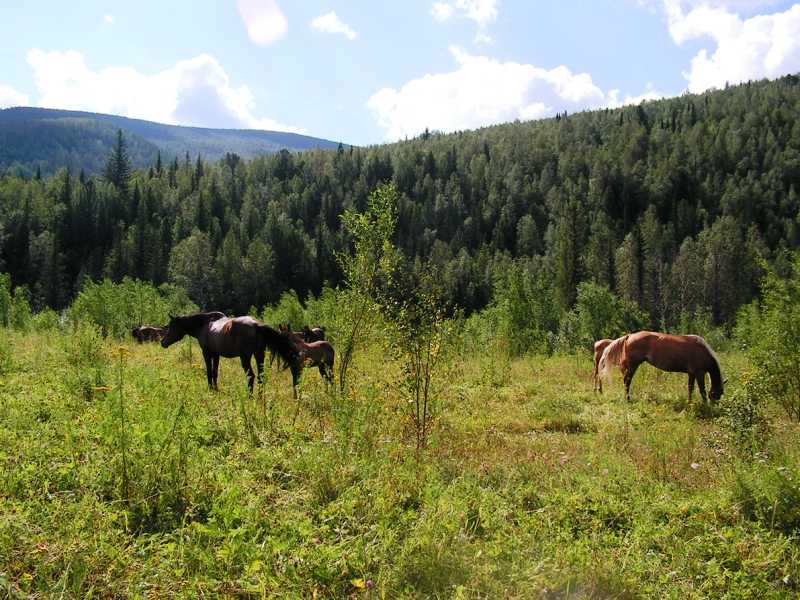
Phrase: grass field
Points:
(122, 476)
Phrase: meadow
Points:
(123, 476)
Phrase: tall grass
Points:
(121, 475)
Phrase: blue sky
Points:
(372, 72)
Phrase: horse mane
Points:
(612, 355)
(278, 344)
(198, 319)
(714, 373)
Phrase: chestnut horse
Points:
(599, 347)
(688, 354)
(219, 335)
(148, 334)
(316, 354)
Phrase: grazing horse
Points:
(313, 335)
(316, 354)
(599, 347)
(148, 334)
(688, 354)
(219, 335)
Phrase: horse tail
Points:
(612, 355)
(279, 345)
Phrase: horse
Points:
(313, 335)
(316, 354)
(599, 347)
(219, 335)
(148, 334)
(688, 354)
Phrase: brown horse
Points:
(316, 354)
(219, 335)
(599, 347)
(148, 334)
(313, 335)
(688, 354)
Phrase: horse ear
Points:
(724, 381)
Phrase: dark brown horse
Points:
(688, 354)
(599, 347)
(242, 337)
(148, 334)
(313, 335)
(316, 354)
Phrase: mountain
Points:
(48, 139)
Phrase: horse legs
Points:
(211, 372)
(296, 370)
(259, 368)
(628, 371)
(248, 370)
(326, 372)
(701, 385)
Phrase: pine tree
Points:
(118, 164)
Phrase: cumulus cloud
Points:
(10, 97)
(263, 20)
(331, 24)
(648, 95)
(109, 19)
(442, 11)
(195, 92)
(761, 46)
(481, 11)
(482, 92)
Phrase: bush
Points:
(15, 311)
(776, 350)
(526, 306)
(288, 311)
(118, 308)
(598, 314)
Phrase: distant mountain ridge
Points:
(49, 139)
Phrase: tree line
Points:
(669, 206)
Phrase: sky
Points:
(371, 72)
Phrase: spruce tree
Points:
(118, 164)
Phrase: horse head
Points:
(172, 333)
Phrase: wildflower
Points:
(369, 584)
(695, 465)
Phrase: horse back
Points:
(671, 353)
(319, 352)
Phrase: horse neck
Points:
(193, 324)
(715, 373)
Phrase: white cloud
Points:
(650, 94)
(263, 20)
(10, 97)
(482, 11)
(331, 24)
(481, 92)
(482, 38)
(195, 92)
(109, 19)
(761, 46)
(442, 11)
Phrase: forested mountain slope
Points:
(669, 204)
(47, 139)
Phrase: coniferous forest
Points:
(673, 206)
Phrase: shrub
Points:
(598, 314)
(776, 350)
(117, 308)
